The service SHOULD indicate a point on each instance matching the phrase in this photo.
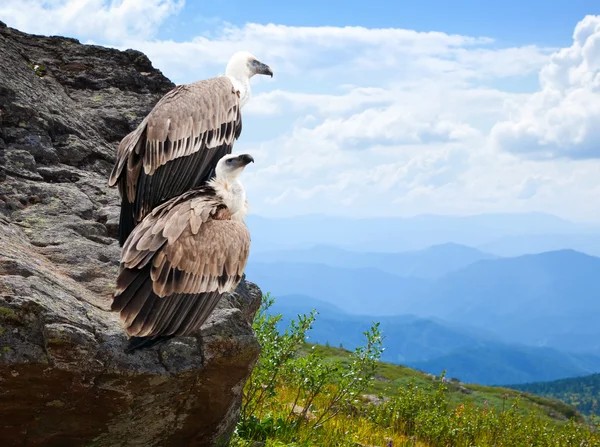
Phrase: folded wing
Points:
(176, 147)
(177, 264)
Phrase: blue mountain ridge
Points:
(541, 306)
(394, 234)
(470, 354)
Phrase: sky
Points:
(383, 108)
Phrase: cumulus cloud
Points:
(100, 20)
(562, 119)
(389, 124)
(326, 53)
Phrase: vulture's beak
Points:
(263, 69)
(245, 159)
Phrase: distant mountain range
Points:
(538, 243)
(487, 319)
(473, 355)
(504, 363)
(500, 234)
(429, 263)
(545, 300)
(408, 338)
(550, 299)
(358, 291)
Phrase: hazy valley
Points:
(483, 316)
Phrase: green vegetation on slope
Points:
(581, 392)
(305, 395)
(388, 378)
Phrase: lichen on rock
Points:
(64, 377)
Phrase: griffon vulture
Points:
(182, 257)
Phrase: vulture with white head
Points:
(177, 146)
(182, 257)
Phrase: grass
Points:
(278, 425)
(390, 377)
(302, 395)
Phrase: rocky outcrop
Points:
(64, 377)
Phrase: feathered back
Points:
(176, 147)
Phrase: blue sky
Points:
(511, 21)
(384, 108)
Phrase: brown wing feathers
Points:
(175, 148)
(177, 263)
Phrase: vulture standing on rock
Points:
(177, 146)
(182, 257)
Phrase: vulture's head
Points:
(244, 64)
(231, 166)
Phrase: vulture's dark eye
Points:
(229, 161)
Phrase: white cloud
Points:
(562, 119)
(532, 185)
(276, 101)
(102, 20)
(389, 124)
(327, 53)
(505, 62)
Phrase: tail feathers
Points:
(126, 221)
(136, 343)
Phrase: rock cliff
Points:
(64, 378)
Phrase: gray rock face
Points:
(64, 378)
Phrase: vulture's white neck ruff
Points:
(239, 73)
(243, 86)
(231, 190)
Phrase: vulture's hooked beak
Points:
(245, 159)
(263, 69)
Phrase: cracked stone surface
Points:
(64, 378)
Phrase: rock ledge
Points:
(64, 378)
